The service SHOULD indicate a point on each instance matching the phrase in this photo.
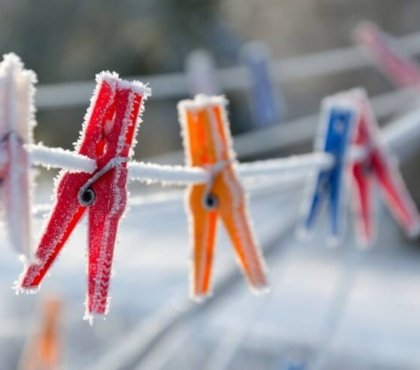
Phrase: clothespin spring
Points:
(210, 200)
(86, 195)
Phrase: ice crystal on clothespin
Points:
(107, 137)
(16, 127)
(208, 144)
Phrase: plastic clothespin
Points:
(402, 70)
(207, 143)
(16, 126)
(43, 349)
(107, 137)
(377, 164)
(266, 104)
(338, 118)
(201, 73)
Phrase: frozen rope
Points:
(398, 136)
(60, 158)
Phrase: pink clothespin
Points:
(107, 137)
(16, 125)
(393, 62)
(377, 163)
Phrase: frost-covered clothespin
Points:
(207, 144)
(16, 126)
(379, 165)
(43, 348)
(338, 118)
(267, 106)
(201, 73)
(402, 70)
(107, 137)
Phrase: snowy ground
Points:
(378, 328)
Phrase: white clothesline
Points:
(175, 85)
(398, 134)
(176, 175)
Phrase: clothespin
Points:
(107, 137)
(379, 165)
(266, 104)
(208, 144)
(16, 125)
(43, 349)
(393, 62)
(338, 118)
(201, 73)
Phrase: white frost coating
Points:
(16, 127)
(104, 263)
(295, 164)
(60, 158)
(153, 173)
(201, 101)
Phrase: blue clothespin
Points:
(267, 106)
(337, 124)
(296, 366)
(201, 73)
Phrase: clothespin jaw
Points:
(402, 70)
(107, 137)
(16, 126)
(207, 143)
(337, 123)
(377, 165)
(267, 107)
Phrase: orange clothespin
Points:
(207, 143)
(43, 350)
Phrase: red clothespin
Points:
(16, 125)
(107, 137)
(207, 143)
(402, 70)
(377, 163)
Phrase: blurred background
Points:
(328, 308)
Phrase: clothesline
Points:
(398, 132)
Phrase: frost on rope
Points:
(60, 158)
(16, 126)
(153, 173)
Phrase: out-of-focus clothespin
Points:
(16, 126)
(402, 70)
(201, 73)
(207, 143)
(377, 164)
(108, 135)
(338, 118)
(267, 106)
(43, 349)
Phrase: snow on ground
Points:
(379, 327)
